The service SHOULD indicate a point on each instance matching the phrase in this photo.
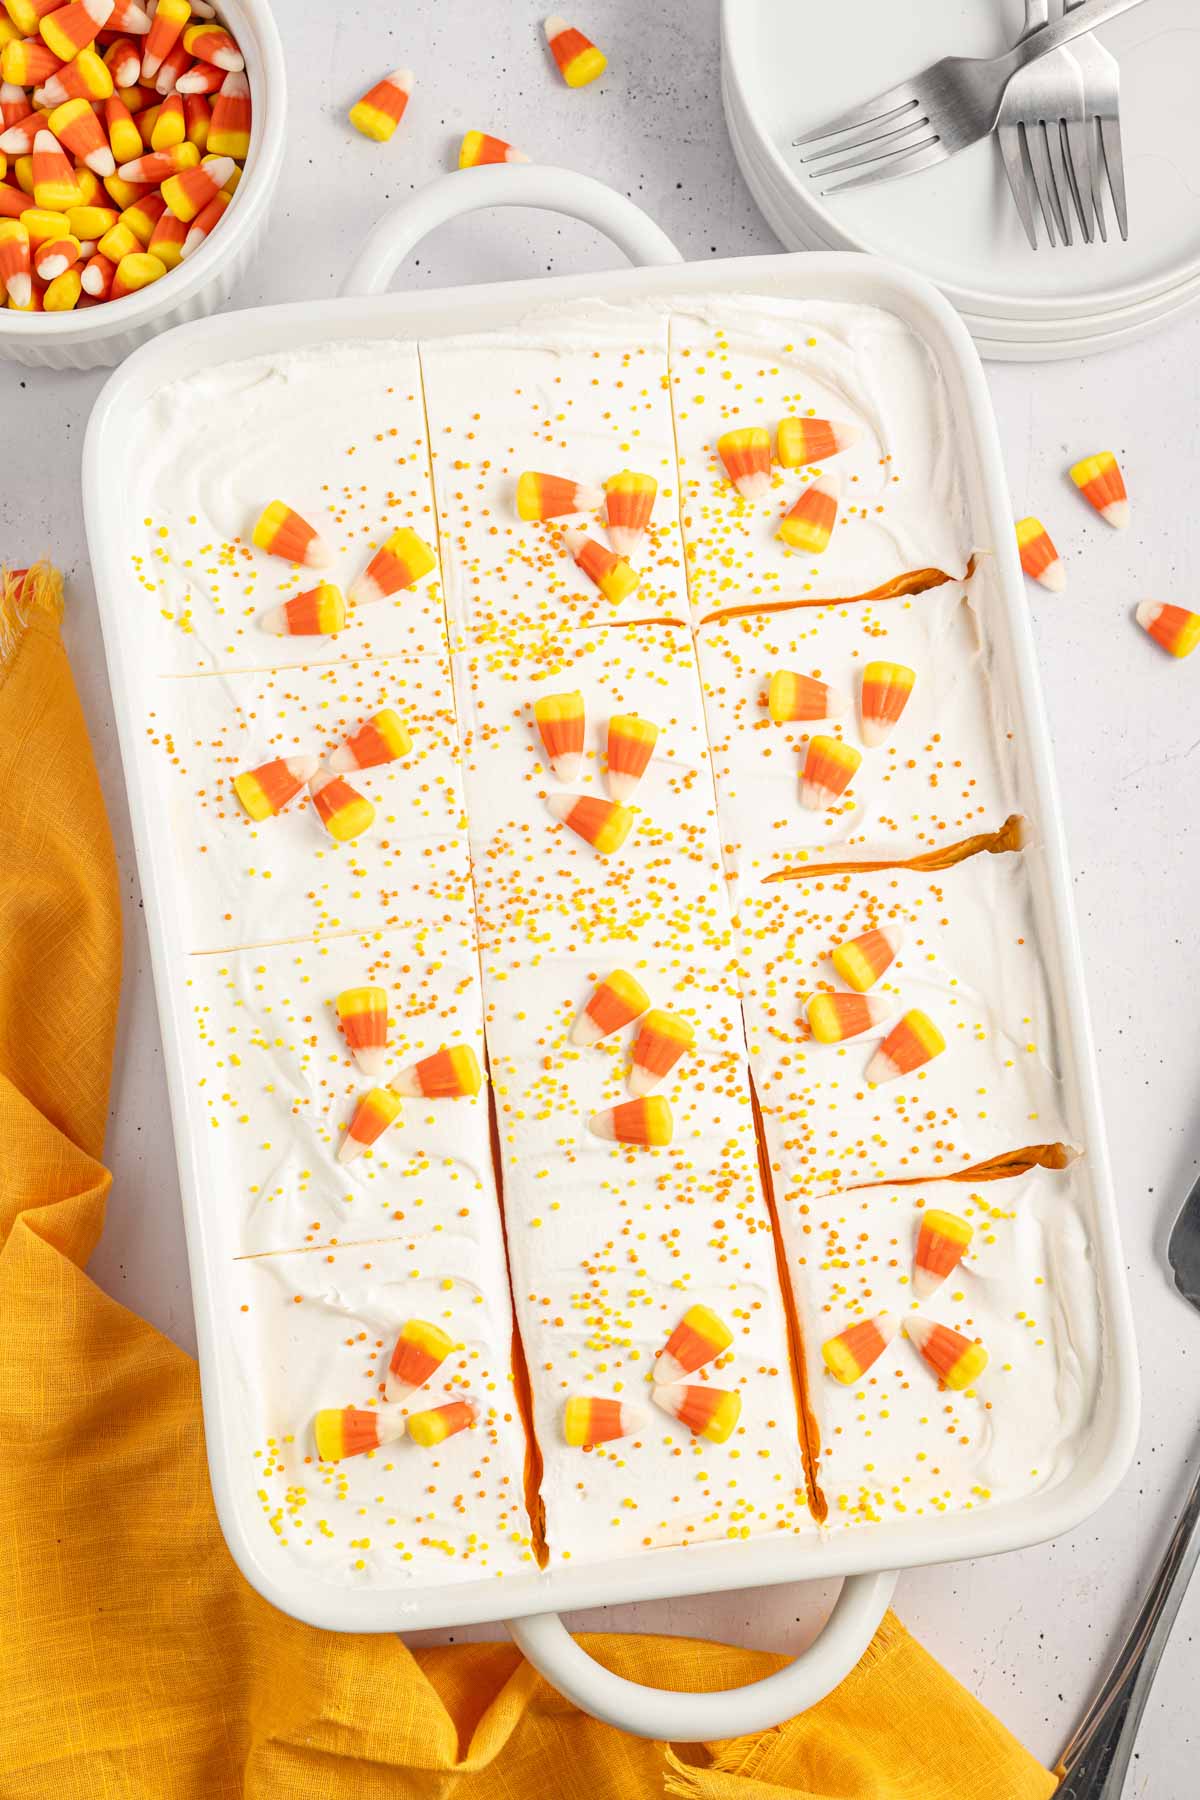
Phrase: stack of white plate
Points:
(787, 66)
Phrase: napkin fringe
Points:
(26, 594)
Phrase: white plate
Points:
(1000, 339)
(985, 266)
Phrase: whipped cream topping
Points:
(489, 922)
(894, 1445)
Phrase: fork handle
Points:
(1071, 25)
(1095, 1762)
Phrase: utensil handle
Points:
(1071, 25)
(1095, 1762)
(651, 1712)
(506, 184)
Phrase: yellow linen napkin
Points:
(135, 1662)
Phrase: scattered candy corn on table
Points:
(1025, 1632)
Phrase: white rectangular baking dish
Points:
(862, 1553)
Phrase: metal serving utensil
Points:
(1095, 1762)
(933, 115)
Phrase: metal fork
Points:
(1096, 1761)
(1037, 105)
(1100, 132)
(931, 116)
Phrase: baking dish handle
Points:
(505, 184)
(677, 1718)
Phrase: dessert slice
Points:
(748, 365)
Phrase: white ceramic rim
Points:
(253, 23)
(708, 1567)
(998, 338)
(972, 303)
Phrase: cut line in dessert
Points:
(1012, 835)
(915, 581)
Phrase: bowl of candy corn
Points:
(138, 157)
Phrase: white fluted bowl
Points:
(100, 336)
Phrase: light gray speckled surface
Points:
(1027, 1633)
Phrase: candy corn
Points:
(400, 562)
(829, 768)
(228, 132)
(62, 294)
(167, 240)
(381, 108)
(124, 137)
(631, 744)
(1100, 481)
(559, 720)
(953, 1358)
(209, 43)
(13, 104)
(166, 124)
(23, 15)
(76, 127)
(203, 224)
(646, 1121)
(1039, 559)
(449, 1074)
(589, 1420)
(17, 139)
(610, 572)
(746, 454)
(601, 823)
(266, 790)
(942, 1241)
(188, 193)
(699, 1337)
(72, 28)
(809, 524)
(862, 960)
(441, 1422)
(883, 696)
(834, 1017)
(175, 63)
(850, 1354)
(143, 216)
(614, 1002)
(156, 165)
(553, 497)
(166, 27)
(477, 147)
(123, 61)
(128, 16)
(793, 698)
(97, 276)
(343, 811)
(801, 442)
(662, 1038)
(1176, 629)
(197, 118)
(910, 1044)
(201, 78)
(419, 1352)
(54, 183)
(629, 501)
(282, 532)
(318, 612)
(382, 739)
(12, 201)
(56, 256)
(363, 1016)
(27, 62)
(86, 78)
(577, 57)
(373, 1114)
(709, 1412)
(345, 1431)
(15, 267)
